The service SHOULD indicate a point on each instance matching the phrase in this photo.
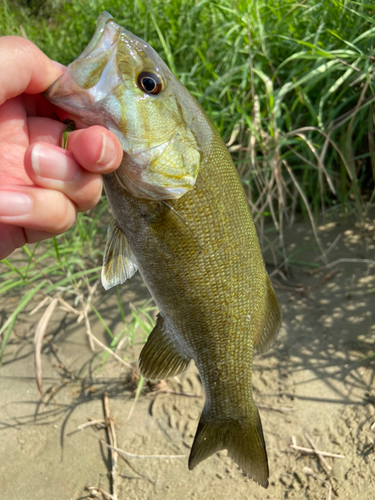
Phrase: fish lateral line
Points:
(171, 228)
(184, 222)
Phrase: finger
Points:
(37, 105)
(12, 237)
(51, 167)
(36, 208)
(24, 68)
(13, 127)
(96, 149)
(45, 130)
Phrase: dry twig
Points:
(130, 455)
(113, 442)
(309, 451)
(94, 490)
(280, 409)
(310, 214)
(40, 305)
(347, 260)
(86, 307)
(107, 349)
(88, 331)
(38, 340)
(327, 468)
(91, 422)
(64, 306)
(111, 435)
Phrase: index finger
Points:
(24, 68)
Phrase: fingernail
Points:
(13, 204)
(108, 152)
(51, 162)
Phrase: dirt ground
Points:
(317, 382)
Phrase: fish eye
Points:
(149, 82)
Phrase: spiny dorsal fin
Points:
(159, 359)
(119, 263)
(271, 320)
(243, 439)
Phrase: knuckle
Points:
(88, 195)
(65, 215)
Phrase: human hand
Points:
(42, 186)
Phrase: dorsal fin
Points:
(159, 358)
(271, 320)
(119, 263)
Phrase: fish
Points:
(180, 217)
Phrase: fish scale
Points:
(194, 242)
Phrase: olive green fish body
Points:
(181, 217)
(212, 290)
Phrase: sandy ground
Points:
(315, 381)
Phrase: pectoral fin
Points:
(271, 320)
(160, 359)
(119, 263)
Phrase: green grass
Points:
(289, 85)
(64, 266)
(293, 83)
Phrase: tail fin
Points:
(243, 439)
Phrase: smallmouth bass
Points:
(181, 217)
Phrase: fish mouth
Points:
(90, 77)
(105, 33)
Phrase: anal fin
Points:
(119, 263)
(159, 358)
(271, 320)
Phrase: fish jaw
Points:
(85, 89)
(91, 77)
